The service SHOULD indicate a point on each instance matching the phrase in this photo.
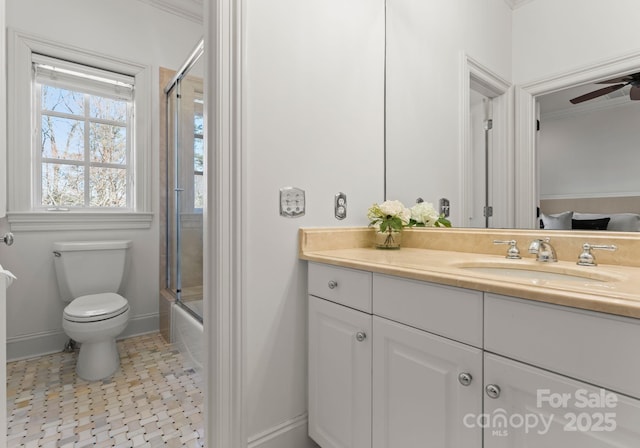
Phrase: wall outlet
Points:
(340, 206)
(292, 202)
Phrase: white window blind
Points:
(77, 77)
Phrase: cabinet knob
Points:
(361, 336)
(493, 390)
(333, 284)
(465, 378)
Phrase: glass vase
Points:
(389, 239)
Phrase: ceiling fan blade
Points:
(596, 93)
(634, 93)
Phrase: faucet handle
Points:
(513, 253)
(586, 258)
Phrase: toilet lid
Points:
(95, 307)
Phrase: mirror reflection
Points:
(436, 114)
(430, 110)
(588, 157)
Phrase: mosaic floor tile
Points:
(154, 400)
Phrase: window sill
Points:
(54, 221)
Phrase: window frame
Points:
(22, 211)
(198, 136)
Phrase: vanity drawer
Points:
(598, 348)
(345, 286)
(451, 312)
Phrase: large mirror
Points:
(434, 90)
(581, 160)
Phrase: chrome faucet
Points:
(543, 249)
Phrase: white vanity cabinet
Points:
(339, 375)
(423, 386)
(401, 363)
(423, 383)
(340, 354)
(559, 377)
(534, 408)
(384, 381)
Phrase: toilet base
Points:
(97, 360)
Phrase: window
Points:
(198, 155)
(83, 134)
(79, 138)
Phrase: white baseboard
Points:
(289, 434)
(141, 324)
(35, 344)
(47, 342)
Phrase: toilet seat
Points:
(95, 307)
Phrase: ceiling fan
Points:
(634, 93)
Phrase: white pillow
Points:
(620, 222)
(559, 221)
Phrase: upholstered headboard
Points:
(626, 204)
(621, 214)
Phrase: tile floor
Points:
(154, 400)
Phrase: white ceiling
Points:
(557, 103)
(192, 9)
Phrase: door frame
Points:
(501, 184)
(3, 209)
(526, 166)
(224, 227)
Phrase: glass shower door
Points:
(185, 185)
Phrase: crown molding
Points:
(515, 4)
(187, 9)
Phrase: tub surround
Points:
(436, 255)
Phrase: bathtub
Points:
(187, 333)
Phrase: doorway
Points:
(487, 175)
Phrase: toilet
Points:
(90, 274)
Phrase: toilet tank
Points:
(89, 267)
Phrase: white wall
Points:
(125, 29)
(590, 154)
(314, 92)
(426, 41)
(552, 37)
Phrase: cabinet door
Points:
(418, 399)
(535, 408)
(339, 375)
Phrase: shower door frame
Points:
(174, 252)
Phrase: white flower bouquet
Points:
(388, 219)
(389, 216)
(423, 214)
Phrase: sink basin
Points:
(539, 272)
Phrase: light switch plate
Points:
(292, 202)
